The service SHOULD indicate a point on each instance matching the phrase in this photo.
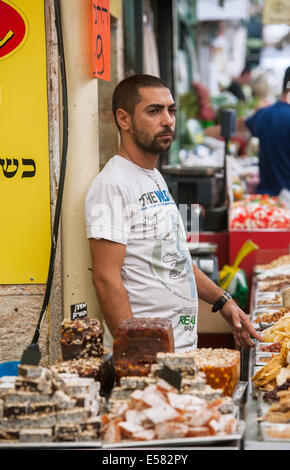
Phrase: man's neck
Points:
(139, 157)
(285, 97)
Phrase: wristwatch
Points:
(221, 301)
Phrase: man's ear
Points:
(123, 119)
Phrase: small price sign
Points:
(78, 310)
(101, 40)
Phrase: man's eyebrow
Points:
(160, 106)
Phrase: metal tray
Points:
(267, 295)
(259, 313)
(50, 445)
(259, 357)
(184, 442)
(190, 170)
(261, 285)
(258, 349)
(280, 431)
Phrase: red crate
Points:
(272, 244)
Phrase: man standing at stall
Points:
(141, 264)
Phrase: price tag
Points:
(78, 310)
(101, 40)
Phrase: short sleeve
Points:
(252, 123)
(107, 213)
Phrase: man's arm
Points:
(239, 322)
(107, 260)
(215, 131)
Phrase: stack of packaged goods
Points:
(271, 371)
(41, 406)
(83, 354)
(272, 384)
(99, 369)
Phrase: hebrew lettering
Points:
(10, 167)
(9, 173)
(30, 173)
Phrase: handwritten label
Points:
(101, 40)
(78, 310)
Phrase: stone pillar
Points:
(82, 157)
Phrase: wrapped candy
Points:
(259, 211)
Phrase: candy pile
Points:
(159, 411)
(39, 405)
(81, 338)
(259, 211)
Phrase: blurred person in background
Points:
(237, 84)
(271, 125)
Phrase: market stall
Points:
(267, 405)
(146, 395)
(138, 396)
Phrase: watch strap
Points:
(221, 301)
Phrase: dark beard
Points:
(154, 146)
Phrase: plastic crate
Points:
(9, 368)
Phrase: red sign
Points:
(13, 29)
(101, 47)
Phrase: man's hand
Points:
(240, 324)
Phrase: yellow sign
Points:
(24, 145)
(276, 12)
(115, 8)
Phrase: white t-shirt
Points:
(131, 205)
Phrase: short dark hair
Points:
(126, 94)
(286, 80)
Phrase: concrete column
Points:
(82, 157)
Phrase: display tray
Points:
(239, 391)
(268, 300)
(272, 305)
(188, 441)
(266, 309)
(190, 170)
(259, 348)
(263, 358)
(261, 285)
(262, 408)
(270, 287)
(50, 445)
(275, 431)
(259, 313)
